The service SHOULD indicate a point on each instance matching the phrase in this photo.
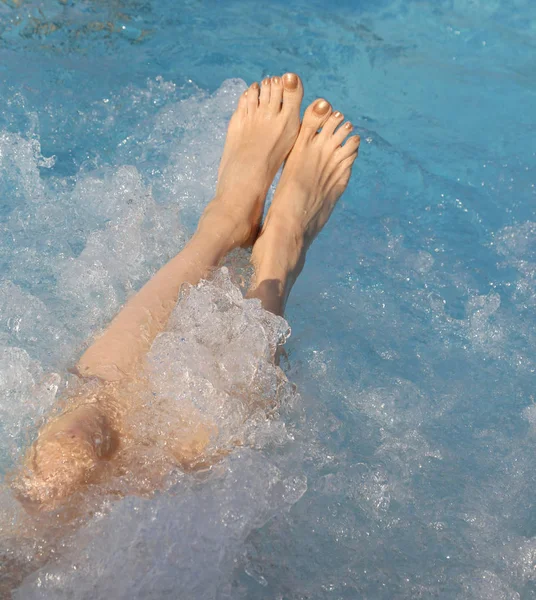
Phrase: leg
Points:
(70, 449)
(261, 134)
(315, 175)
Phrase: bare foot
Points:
(261, 134)
(316, 173)
(65, 456)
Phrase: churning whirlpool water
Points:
(402, 465)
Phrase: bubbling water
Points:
(215, 361)
(413, 322)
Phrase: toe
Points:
(348, 162)
(292, 91)
(332, 123)
(342, 173)
(253, 97)
(243, 104)
(276, 95)
(350, 148)
(264, 97)
(342, 133)
(344, 170)
(315, 117)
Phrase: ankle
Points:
(249, 186)
(279, 253)
(223, 220)
(282, 240)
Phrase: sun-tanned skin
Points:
(74, 448)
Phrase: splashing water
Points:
(229, 378)
(405, 466)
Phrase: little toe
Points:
(242, 108)
(350, 148)
(264, 97)
(253, 97)
(276, 94)
(314, 118)
(332, 123)
(342, 133)
(344, 172)
(345, 168)
(292, 91)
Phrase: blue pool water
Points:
(403, 466)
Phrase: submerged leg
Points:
(315, 175)
(66, 454)
(71, 448)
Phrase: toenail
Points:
(321, 107)
(246, 93)
(337, 114)
(255, 85)
(266, 81)
(290, 81)
(348, 126)
(276, 80)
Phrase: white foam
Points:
(217, 354)
(193, 534)
(23, 386)
(19, 178)
(517, 245)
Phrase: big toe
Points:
(315, 116)
(292, 92)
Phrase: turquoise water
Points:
(405, 468)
